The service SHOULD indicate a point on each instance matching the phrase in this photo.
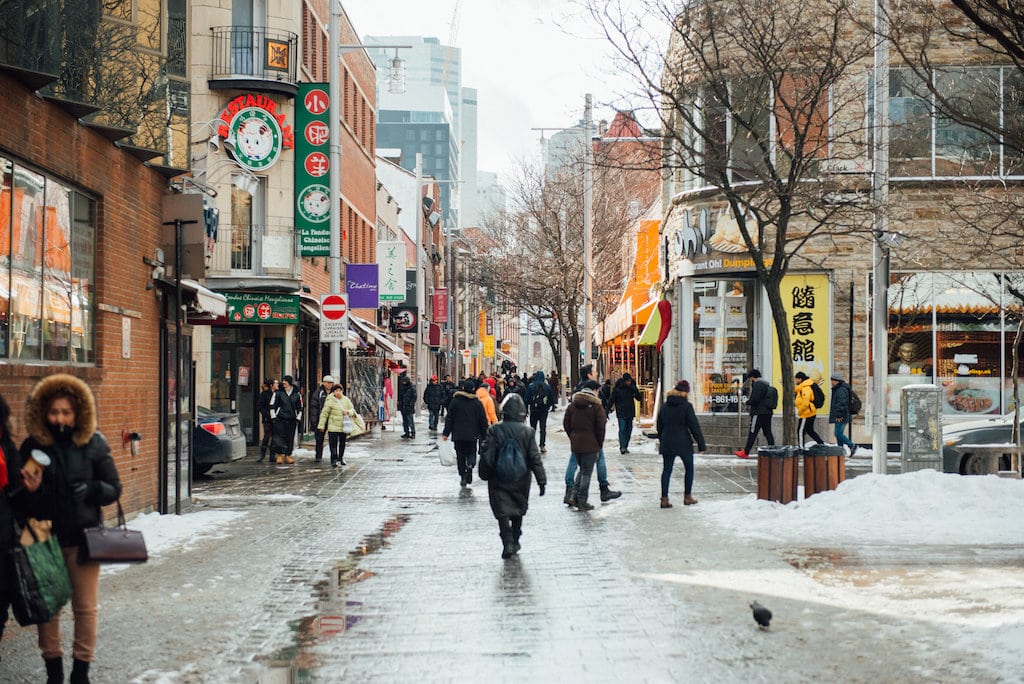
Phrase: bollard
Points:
(777, 473)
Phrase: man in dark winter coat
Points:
(556, 388)
(584, 423)
(624, 397)
(539, 401)
(839, 412)
(678, 429)
(286, 411)
(433, 397)
(316, 405)
(605, 395)
(407, 405)
(760, 413)
(588, 374)
(466, 424)
(510, 499)
(449, 391)
(263, 407)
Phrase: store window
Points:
(723, 326)
(47, 268)
(955, 329)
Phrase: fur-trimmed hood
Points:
(38, 404)
(677, 393)
(466, 395)
(586, 396)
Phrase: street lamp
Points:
(880, 248)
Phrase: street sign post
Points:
(467, 354)
(334, 317)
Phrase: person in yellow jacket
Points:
(340, 420)
(483, 393)
(806, 411)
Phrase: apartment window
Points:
(966, 148)
(47, 268)
(247, 221)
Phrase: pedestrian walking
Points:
(60, 418)
(316, 404)
(556, 389)
(13, 494)
(449, 392)
(584, 423)
(587, 374)
(623, 399)
(605, 394)
(540, 400)
(407, 405)
(286, 411)
(678, 430)
(760, 406)
(485, 393)
(807, 404)
(267, 390)
(509, 495)
(433, 397)
(338, 419)
(839, 411)
(466, 424)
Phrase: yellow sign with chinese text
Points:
(806, 299)
(489, 346)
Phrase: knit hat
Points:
(836, 376)
(329, 380)
(469, 385)
(683, 386)
(800, 375)
(754, 373)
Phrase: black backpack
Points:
(855, 403)
(819, 397)
(511, 463)
(540, 398)
(771, 397)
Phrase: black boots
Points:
(80, 672)
(263, 454)
(607, 493)
(54, 671)
(568, 495)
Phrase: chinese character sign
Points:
(806, 299)
(391, 271)
(312, 170)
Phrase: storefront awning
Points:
(379, 339)
(642, 315)
(658, 325)
(207, 303)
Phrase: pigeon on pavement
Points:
(762, 616)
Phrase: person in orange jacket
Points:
(485, 393)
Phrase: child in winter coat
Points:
(336, 409)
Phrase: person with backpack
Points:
(584, 423)
(539, 400)
(466, 424)
(624, 397)
(839, 412)
(809, 398)
(761, 405)
(508, 459)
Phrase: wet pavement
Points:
(386, 570)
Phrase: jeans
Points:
(465, 457)
(85, 598)
(434, 413)
(581, 485)
(602, 470)
(541, 418)
(625, 432)
(841, 438)
(409, 422)
(337, 445)
(667, 462)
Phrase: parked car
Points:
(216, 438)
(993, 430)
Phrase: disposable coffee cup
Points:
(37, 460)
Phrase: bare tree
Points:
(762, 104)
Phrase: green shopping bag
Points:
(40, 580)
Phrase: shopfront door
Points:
(235, 381)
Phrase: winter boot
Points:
(584, 506)
(517, 532)
(607, 493)
(288, 459)
(263, 454)
(568, 495)
(80, 672)
(506, 542)
(689, 500)
(280, 459)
(54, 670)
(665, 503)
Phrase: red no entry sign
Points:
(334, 307)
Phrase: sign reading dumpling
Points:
(313, 170)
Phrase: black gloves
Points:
(541, 488)
(84, 489)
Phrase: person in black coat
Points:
(263, 406)
(509, 500)
(12, 492)
(407, 405)
(624, 398)
(316, 405)
(433, 397)
(540, 399)
(678, 429)
(760, 413)
(466, 424)
(60, 418)
(286, 411)
(449, 392)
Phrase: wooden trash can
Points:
(824, 468)
(778, 469)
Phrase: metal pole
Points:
(421, 285)
(178, 256)
(334, 75)
(880, 251)
(588, 199)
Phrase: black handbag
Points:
(113, 544)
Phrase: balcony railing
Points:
(255, 251)
(254, 58)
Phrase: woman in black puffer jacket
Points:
(509, 500)
(678, 429)
(60, 417)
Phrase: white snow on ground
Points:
(166, 534)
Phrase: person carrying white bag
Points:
(340, 420)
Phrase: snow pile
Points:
(924, 507)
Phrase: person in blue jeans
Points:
(624, 397)
(839, 412)
(587, 372)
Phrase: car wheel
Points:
(972, 464)
(202, 468)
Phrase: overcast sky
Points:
(530, 70)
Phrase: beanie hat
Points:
(682, 386)
(469, 385)
(754, 373)
(800, 375)
(836, 376)
(329, 380)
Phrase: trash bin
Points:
(777, 473)
(824, 468)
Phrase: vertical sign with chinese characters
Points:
(441, 305)
(806, 299)
(391, 271)
(312, 170)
